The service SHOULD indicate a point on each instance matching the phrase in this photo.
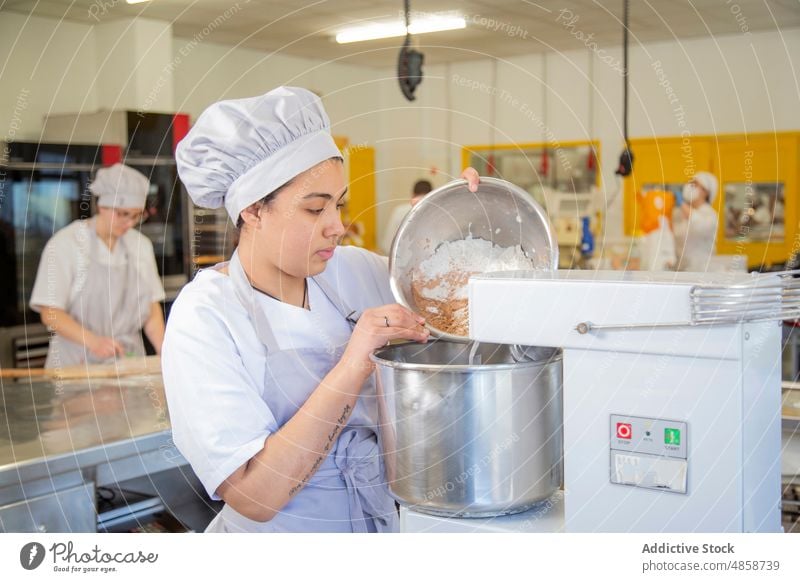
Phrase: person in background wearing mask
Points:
(696, 229)
(421, 188)
(97, 286)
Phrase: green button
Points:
(672, 436)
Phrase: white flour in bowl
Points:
(439, 283)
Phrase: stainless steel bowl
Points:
(499, 212)
(470, 440)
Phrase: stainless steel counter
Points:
(62, 436)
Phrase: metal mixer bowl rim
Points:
(556, 357)
(501, 511)
(521, 195)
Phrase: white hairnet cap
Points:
(709, 183)
(120, 186)
(241, 150)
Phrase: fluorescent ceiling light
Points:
(136, 1)
(392, 29)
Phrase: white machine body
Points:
(668, 426)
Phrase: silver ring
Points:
(386, 319)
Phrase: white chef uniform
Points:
(238, 364)
(109, 292)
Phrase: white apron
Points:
(658, 248)
(348, 493)
(112, 303)
(695, 238)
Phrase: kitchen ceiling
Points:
(495, 28)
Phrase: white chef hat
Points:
(239, 151)
(709, 183)
(120, 186)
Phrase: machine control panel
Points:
(653, 436)
(648, 453)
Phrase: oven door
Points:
(39, 202)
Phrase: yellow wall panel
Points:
(749, 161)
(739, 161)
(361, 208)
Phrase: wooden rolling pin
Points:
(122, 367)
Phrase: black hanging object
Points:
(626, 159)
(409, 69)
(625, 163)
(409, 63)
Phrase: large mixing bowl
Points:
(470, 440)
(499, 212)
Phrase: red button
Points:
(623, 430)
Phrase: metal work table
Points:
(60, 440)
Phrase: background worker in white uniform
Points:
(97, 286)
(419, 191)
(696, 226)
(266, 357)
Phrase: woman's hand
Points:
(104, 347)
(379, 325)
(471, 176)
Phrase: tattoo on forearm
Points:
(331, 438)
